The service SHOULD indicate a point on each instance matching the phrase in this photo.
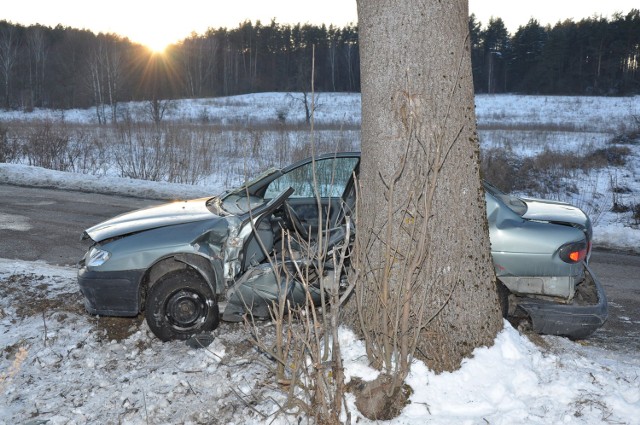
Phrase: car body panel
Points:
(574, 320)
(555, 211)
(525, 252)
(140, 250)
(150, 218)
(256, 289)
(111, 293)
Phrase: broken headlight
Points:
(97, 257)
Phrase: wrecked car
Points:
(184, 263)
(187, 264)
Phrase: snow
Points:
(245, 109)
(61, 366)
(41, 177)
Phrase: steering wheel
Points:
(294, 221)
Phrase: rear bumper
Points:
(571, 320)
(111, 293)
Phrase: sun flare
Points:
(157, 45)
(155, 40)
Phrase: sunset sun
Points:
(158, 43)
(157, 37)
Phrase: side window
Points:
(332, 176)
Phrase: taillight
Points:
(573, 252)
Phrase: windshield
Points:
(238, 203)
(243, 198)
(514, 203)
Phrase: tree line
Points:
(595, 56)
(64, 67)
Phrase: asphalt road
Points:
(620, 275)
(47, 224)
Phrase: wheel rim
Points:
(185, 309)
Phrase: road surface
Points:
(47, 224)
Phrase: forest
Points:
(64, 67)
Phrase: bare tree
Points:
(332, 54)
(199, 56)
(309, 102)
(426, 284)
(105, 64)
(349, 51)
(8, 58)
(229, 68)
(38, 55)
(97, 82)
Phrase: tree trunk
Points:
(426, 281)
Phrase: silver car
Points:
(188, 264)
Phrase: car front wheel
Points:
(180, 305)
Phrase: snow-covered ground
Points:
(62, 366)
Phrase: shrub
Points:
(48, 146)
(499, 166)
(636, 213)
(615, 156)
(4, 144)
(9, 146)
(631, 137)
(548, 172)
(619, 207)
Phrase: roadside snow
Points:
(25, 175)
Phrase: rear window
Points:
(514, 203)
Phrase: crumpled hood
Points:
(150, 218)
(558, 212)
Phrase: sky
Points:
(157, 23)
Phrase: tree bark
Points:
(426, 280)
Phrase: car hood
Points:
(557, 212)
(150, 218)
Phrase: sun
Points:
(156, 41)
(157, 45)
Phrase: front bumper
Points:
(571, 320)
(111, 293)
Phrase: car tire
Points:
(179, 305)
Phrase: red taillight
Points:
(576, 256)
(574, 252)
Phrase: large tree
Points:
(426, 284)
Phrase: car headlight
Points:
(97, 257)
